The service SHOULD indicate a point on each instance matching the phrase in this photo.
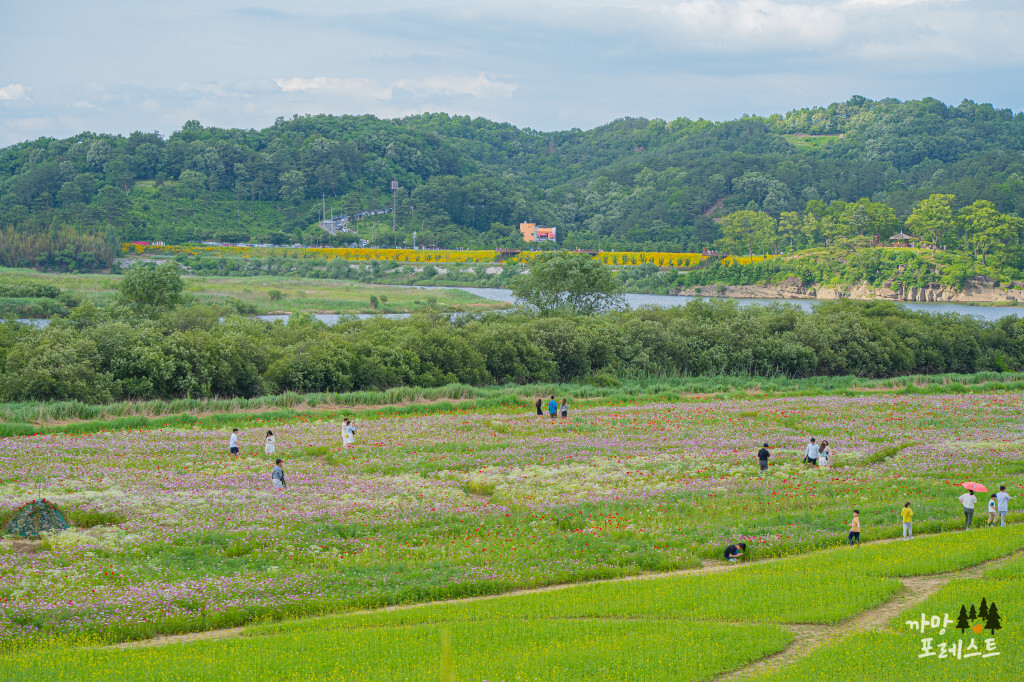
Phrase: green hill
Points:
(631, 184)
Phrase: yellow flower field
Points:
(661, 259)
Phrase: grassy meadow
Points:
(263, 295)
(477, 497)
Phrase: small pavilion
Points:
(901, 239)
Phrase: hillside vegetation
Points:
(858, 167)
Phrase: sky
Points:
(116, 66)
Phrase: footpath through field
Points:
(809, 637)
(804, 634)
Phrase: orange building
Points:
(532, 232)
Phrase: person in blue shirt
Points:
(553, 408)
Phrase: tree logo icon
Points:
(985, 617)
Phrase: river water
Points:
(989, 313)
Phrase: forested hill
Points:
(633, 183)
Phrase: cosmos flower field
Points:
(184, 537)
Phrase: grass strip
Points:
(21, 419)
(489, 650)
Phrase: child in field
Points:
(348, 434)
(565, 408)
(268, 444)
(854, 535)
(233, 442)
(992, 510)
(734, 552)
(908, 521)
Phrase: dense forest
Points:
(154, 342)
(632, 184)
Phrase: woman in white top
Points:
(824, 454)
(348, 434)
(268, 444)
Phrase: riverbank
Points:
(977, 291)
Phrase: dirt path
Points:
(809, 637)
(714, 207)
(706, 566)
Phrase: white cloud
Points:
(359, 87)
(477, 86)
(883, 4)
(750, 24)
(14, 91)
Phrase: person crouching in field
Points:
(854, 535)
(762, 457)
(734, 552)
(277, 476)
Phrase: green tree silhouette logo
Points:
(992, 620)
(962, 621)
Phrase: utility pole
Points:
(323, 207)
(394, 209)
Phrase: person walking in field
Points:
(268, 444)
(824, 454)
(348, 434)
(968, 500)
(811, 453)
(540, 403)
(233, 442)
(991, 510)
(553, 408)
(565, 408)
(734, 552)
(1003, 504)
(277, 476)
(762, 457)
(854, 535)
(907, 514)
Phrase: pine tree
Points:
(983, 609)
(992, 623)
(974, 614)
(962, 622)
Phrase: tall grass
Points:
(27, 418)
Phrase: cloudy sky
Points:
(124, 65)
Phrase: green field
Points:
(176, 537)
(263, 295)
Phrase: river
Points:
(989, 313)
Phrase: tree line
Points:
(154, 342)
(634, 184)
